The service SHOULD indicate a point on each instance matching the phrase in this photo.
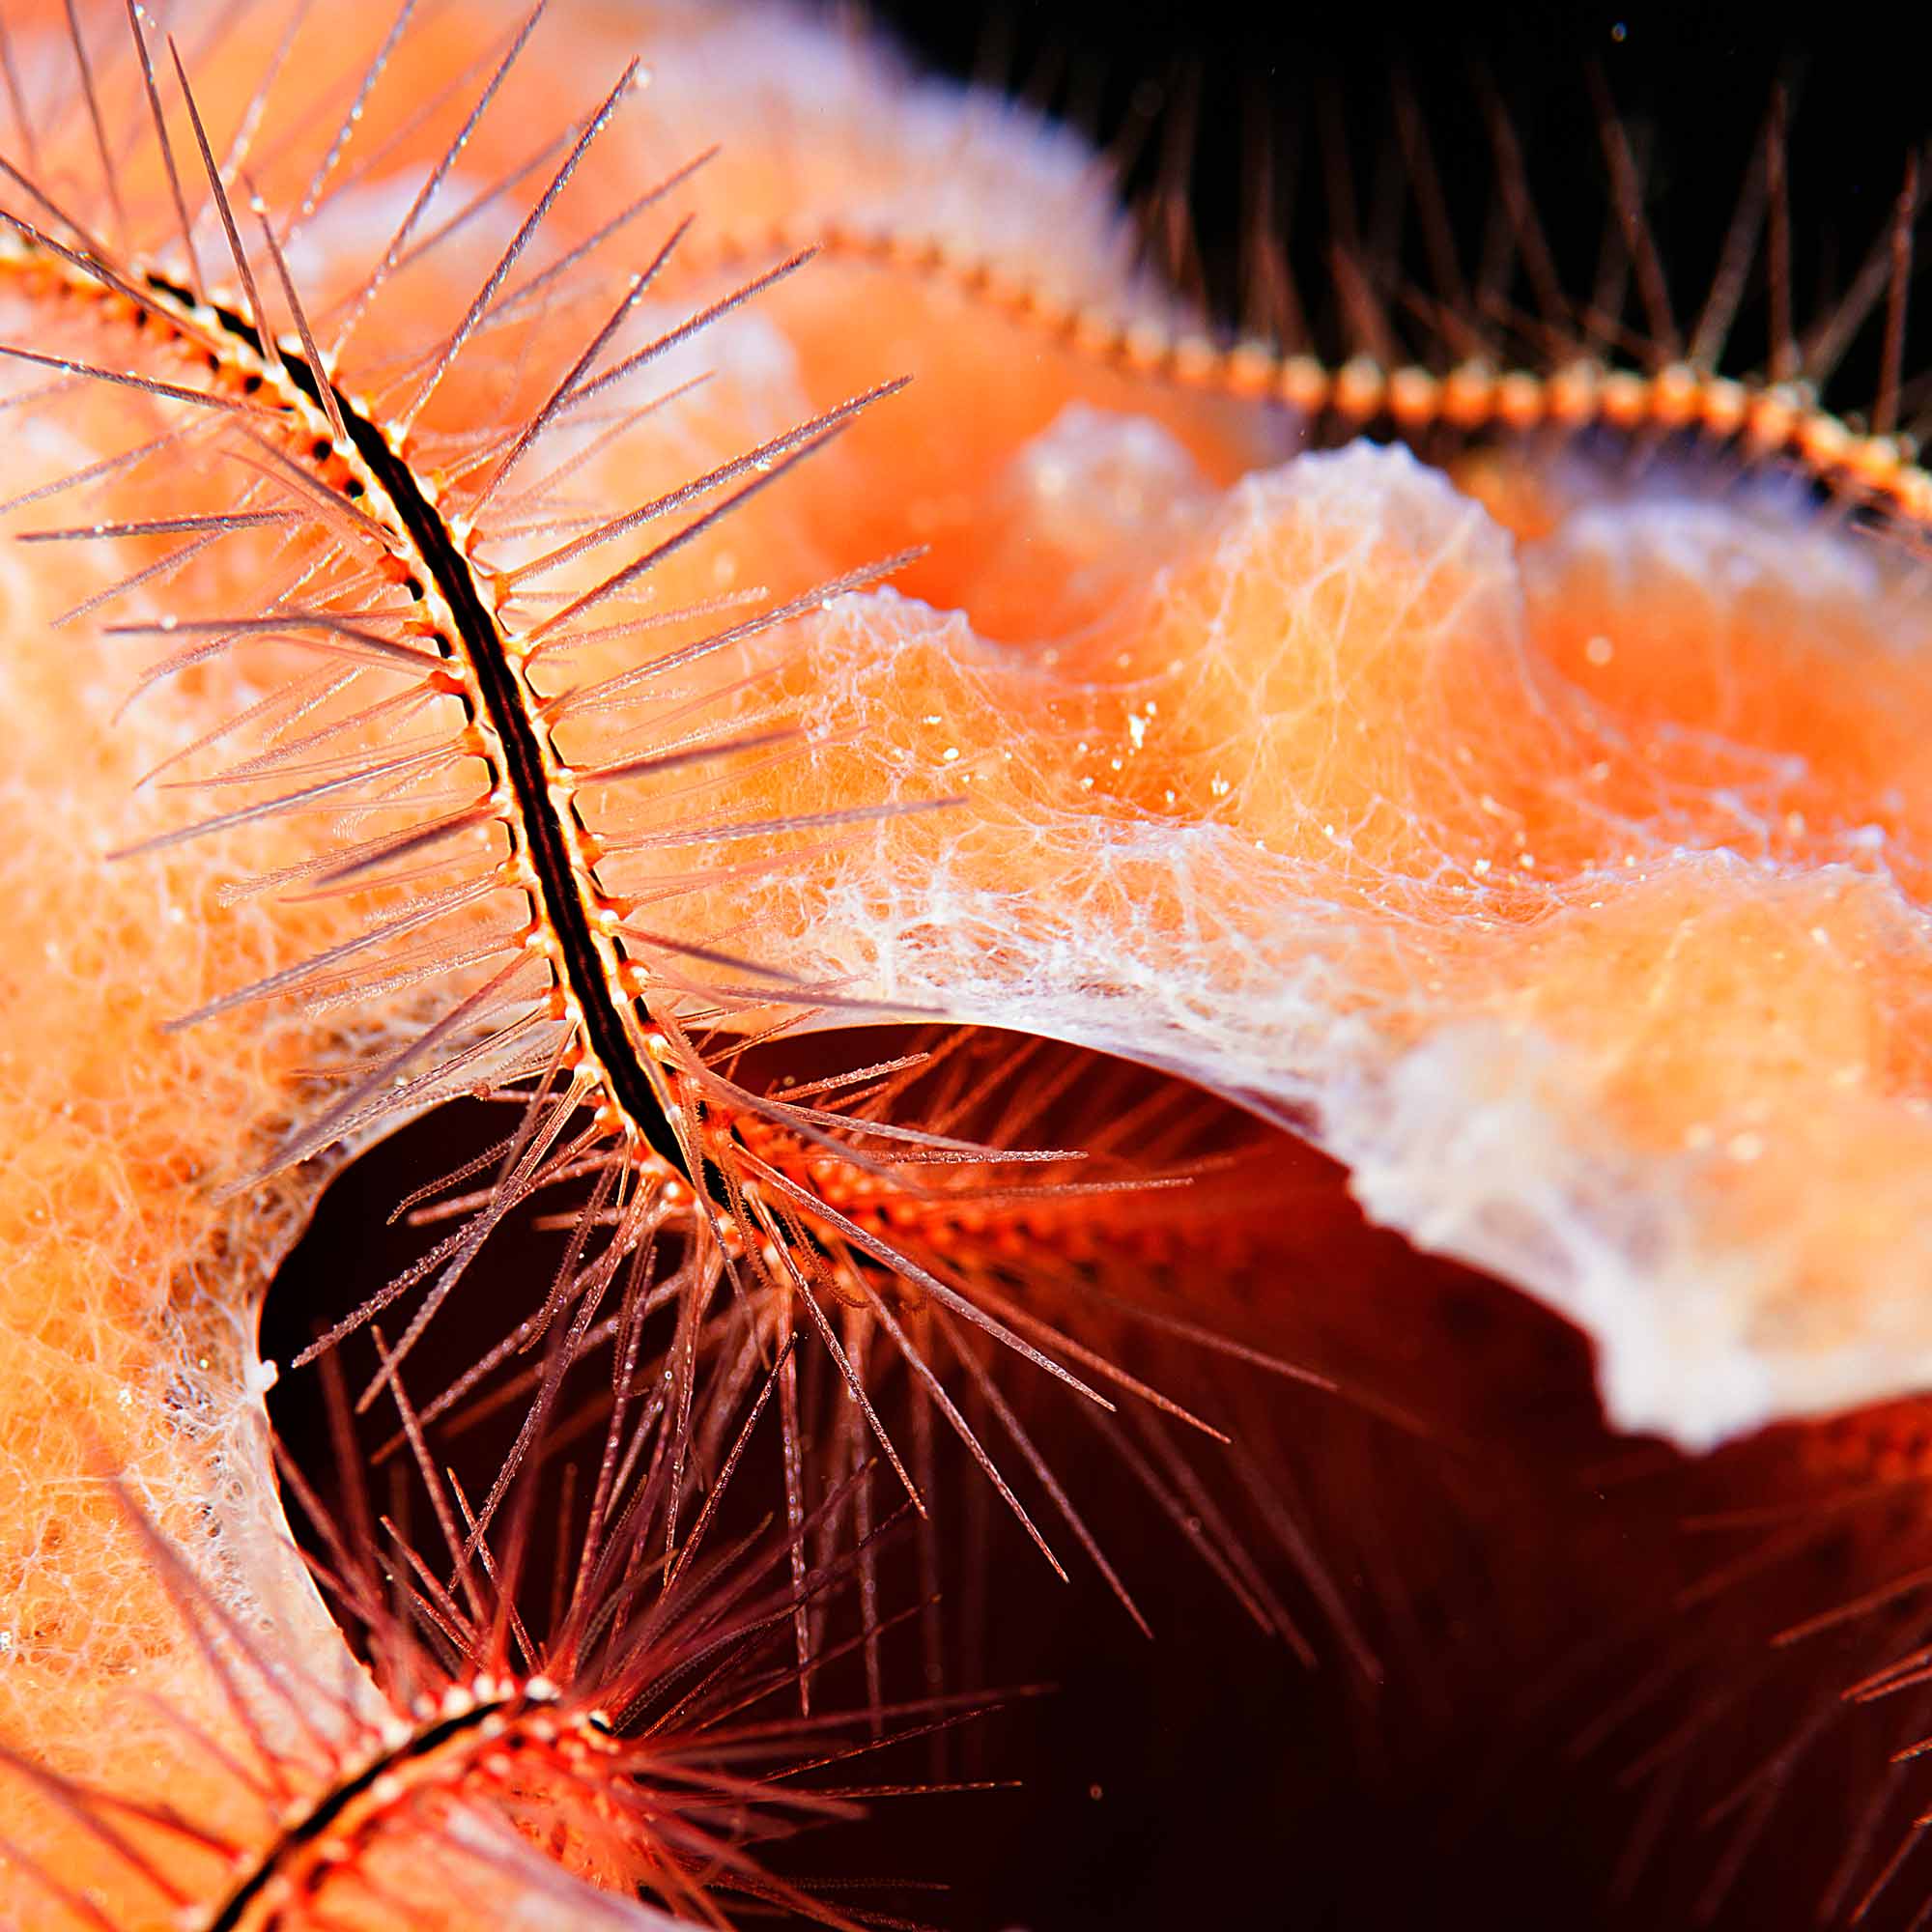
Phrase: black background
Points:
(1693, 82)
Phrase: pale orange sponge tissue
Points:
(1549, 846)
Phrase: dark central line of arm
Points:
(332, 1807)
(497, 688)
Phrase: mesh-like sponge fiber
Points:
(1554, 850)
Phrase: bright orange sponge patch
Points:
(1551, 847)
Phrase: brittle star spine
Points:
(1769, 421)
(530, 786)
(468, 1720)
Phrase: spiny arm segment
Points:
(282, 390)
(1765, 422)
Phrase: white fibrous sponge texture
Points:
(1554, 850)
(1572, 885)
